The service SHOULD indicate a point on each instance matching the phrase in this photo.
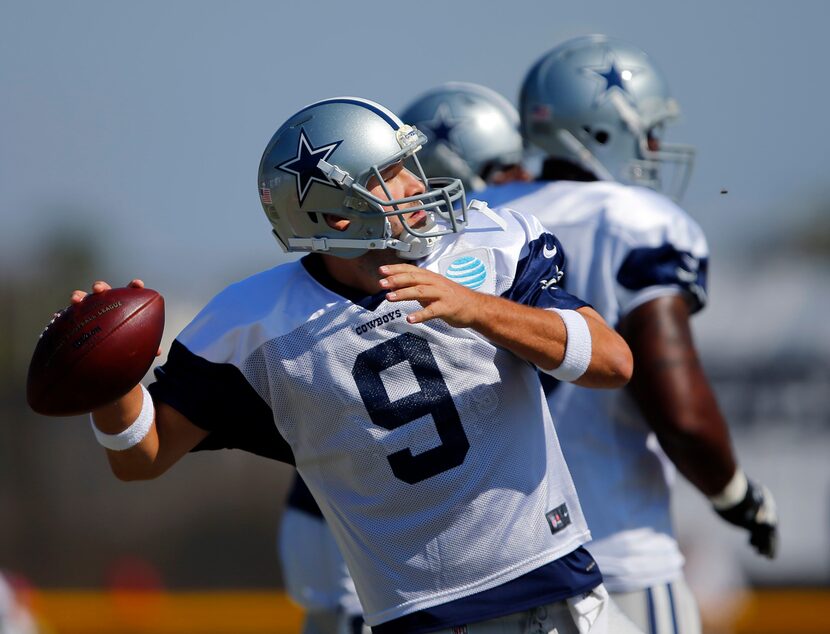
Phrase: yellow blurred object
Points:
(785, 611)
(150, 612)
(263, 612)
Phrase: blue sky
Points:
(143, 123)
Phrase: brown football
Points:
(95, 351)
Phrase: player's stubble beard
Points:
(364, 268)
(371, 261)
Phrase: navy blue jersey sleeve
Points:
(540, 276)
(300, 498)
(217, 398)
(665, 265)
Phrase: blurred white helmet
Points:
(601, 104)
(472, 131)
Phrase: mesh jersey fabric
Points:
(430, 451)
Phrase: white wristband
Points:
(732, 493)
(135, 433)
(577, 347)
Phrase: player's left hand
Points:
(757, 514)
(100, 286)
(440, 298)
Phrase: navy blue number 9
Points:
(433, 398)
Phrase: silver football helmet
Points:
(471, 130)
(601, 103)
(320, 162)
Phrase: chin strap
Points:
(327, 244)
(408, 249)
(416, 247)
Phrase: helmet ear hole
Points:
(602, 137)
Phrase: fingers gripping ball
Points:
(95, 351)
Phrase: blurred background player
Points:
(314, 572)
(596, 108)
(15, 618)
(474, 136)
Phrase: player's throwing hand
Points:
(441, 298)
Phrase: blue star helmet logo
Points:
(304, 165)
(442, 124)
(613, 75)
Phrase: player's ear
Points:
(338, 223)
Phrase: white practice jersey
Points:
(625, 246)
(430, 451)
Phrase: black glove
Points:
(756, 513)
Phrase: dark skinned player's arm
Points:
(675, 396)
(672, 391)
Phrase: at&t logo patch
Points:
(468, 271)
(472, 269)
